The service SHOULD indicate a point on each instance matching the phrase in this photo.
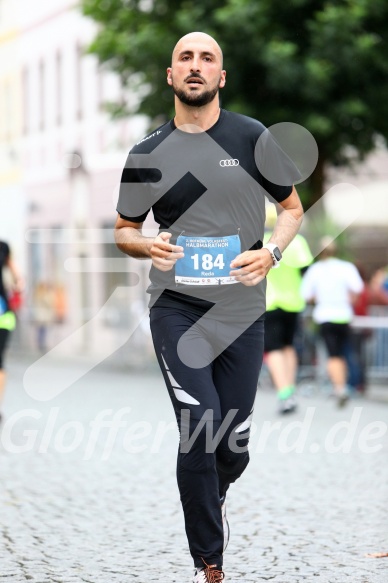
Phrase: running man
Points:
(199, 173)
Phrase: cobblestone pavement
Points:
(84, 499)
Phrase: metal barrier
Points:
(371, 332)
(375, 328)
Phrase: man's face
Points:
(196, 72)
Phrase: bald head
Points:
(196, 73)
(193, 39)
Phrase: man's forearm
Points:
(133, 243)
(286, 227)
(290, 217)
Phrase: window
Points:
(78, 68)
(100, 89)
(25, 97)
(8, 111)
(58, 80)
(35, 252)
(42, 96)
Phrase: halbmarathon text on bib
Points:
(207, 260)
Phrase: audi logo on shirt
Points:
(229, 162)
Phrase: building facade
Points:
(12, 208)
(69, 155)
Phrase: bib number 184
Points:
(207, 261)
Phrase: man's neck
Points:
(196, 119)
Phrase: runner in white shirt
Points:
(333, 284)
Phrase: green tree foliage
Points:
(321, 64)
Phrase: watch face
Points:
(277, 254)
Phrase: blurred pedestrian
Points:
(284, 304)
(7, 316)
(333, 285)
(44, 312)
(378, 287)
(356, 350)
(60, 303)
(378, 298)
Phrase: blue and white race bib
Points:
(207, 260)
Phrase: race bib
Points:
(207, 260)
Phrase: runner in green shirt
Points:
(284, 303)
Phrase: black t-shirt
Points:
(206, 184)
(4, 256)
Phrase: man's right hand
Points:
(163, 254)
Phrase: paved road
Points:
(82, 501)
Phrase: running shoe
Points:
(287, 405)
(225, 523)
(342, 399)
(209, 574)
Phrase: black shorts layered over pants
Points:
(213, 397)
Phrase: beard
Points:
(194, 100)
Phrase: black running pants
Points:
(213, 405)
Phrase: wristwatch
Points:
(275, 253)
